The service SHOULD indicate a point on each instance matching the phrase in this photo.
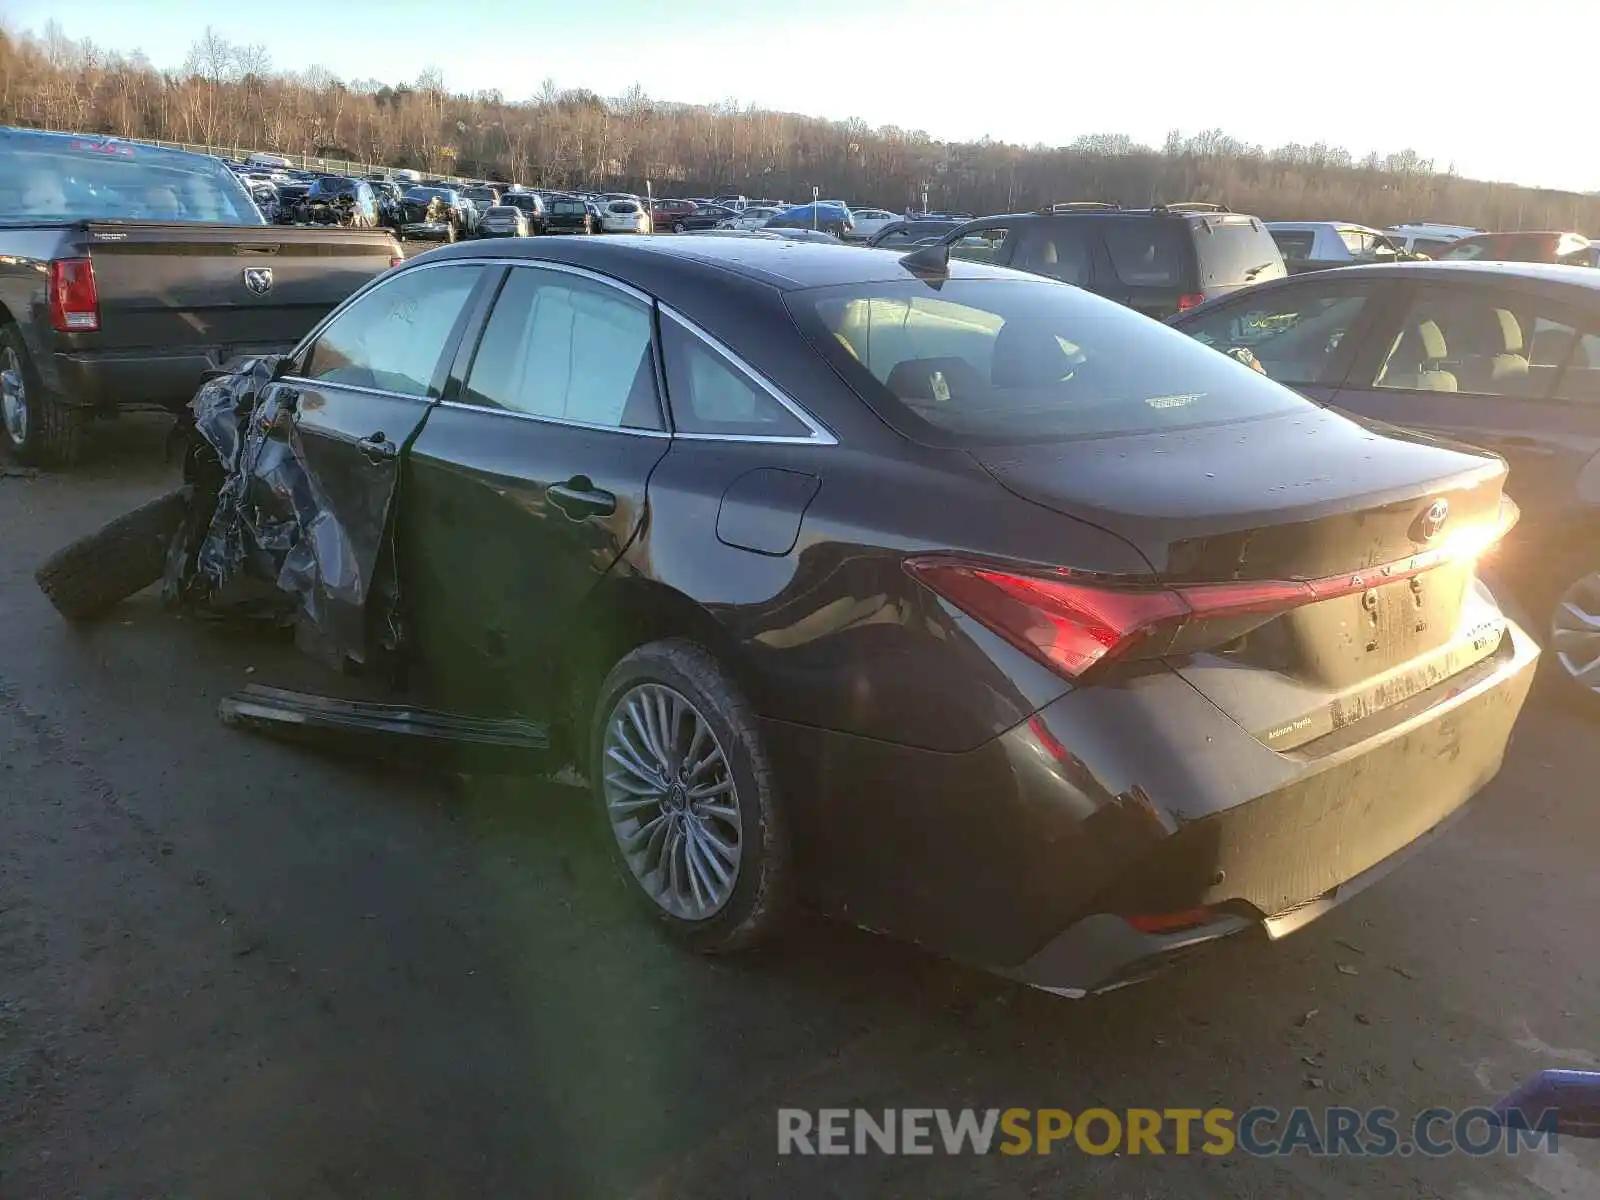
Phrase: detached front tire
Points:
(38, 429)
(683, 781)
(88, 577)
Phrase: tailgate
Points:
(174, 286)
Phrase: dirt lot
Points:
(229, 968)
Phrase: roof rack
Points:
(1082, 206)
(1191, 206)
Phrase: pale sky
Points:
(1504, 99)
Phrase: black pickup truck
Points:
(128, 271)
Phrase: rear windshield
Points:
(1294, 244)
(478, 194)
(1234, 252)
(333, 187)
(624, 206)
(568, 206)
(89, 180)
(979, 361)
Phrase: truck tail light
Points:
(74, 300)
(1192, 300)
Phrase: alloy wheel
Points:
(1575, 632)
(672, 802)
(13, 396)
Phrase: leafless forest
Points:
(229, 96)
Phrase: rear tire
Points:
(667, 706)
(1574, 580)
(35, 426)
(90, 576)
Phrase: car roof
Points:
(786, 264)
(1585, 277)
(1291, 226)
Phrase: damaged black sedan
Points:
(964, 604)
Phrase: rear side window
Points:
(976, 361)
(1149, 253)
(1057, 250)
(711, 394)
(1235, 252)
(561, 346)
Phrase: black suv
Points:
(1159, 261)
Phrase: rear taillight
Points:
(1072, 626)
(74, 301)
(1185, 303)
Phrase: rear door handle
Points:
(579, 499)
(377, 448)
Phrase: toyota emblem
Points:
(1432, 520)
(258, 280)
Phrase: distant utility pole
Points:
(650, 204)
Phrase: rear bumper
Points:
(111, 379)
(1141, 798)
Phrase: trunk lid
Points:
(191, 285)
(1307, 496)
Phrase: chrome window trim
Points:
(542, 420)
(582, 273)
(820, 435)
(377, 282)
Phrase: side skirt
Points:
(392, 731)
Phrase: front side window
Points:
(1484, 342)
(569, 348)
(981, 245)
(976, 361)
(1293, 333)
(392, 337)
(1355, 241)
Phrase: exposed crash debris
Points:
(271, 532)
(251, 533)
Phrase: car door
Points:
(1497, 367)
(1303, 332)
(528, 482)
(359, 391)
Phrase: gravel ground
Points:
(232, 968)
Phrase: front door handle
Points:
(579, 499)
(377, 448)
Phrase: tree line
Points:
(228, 95)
